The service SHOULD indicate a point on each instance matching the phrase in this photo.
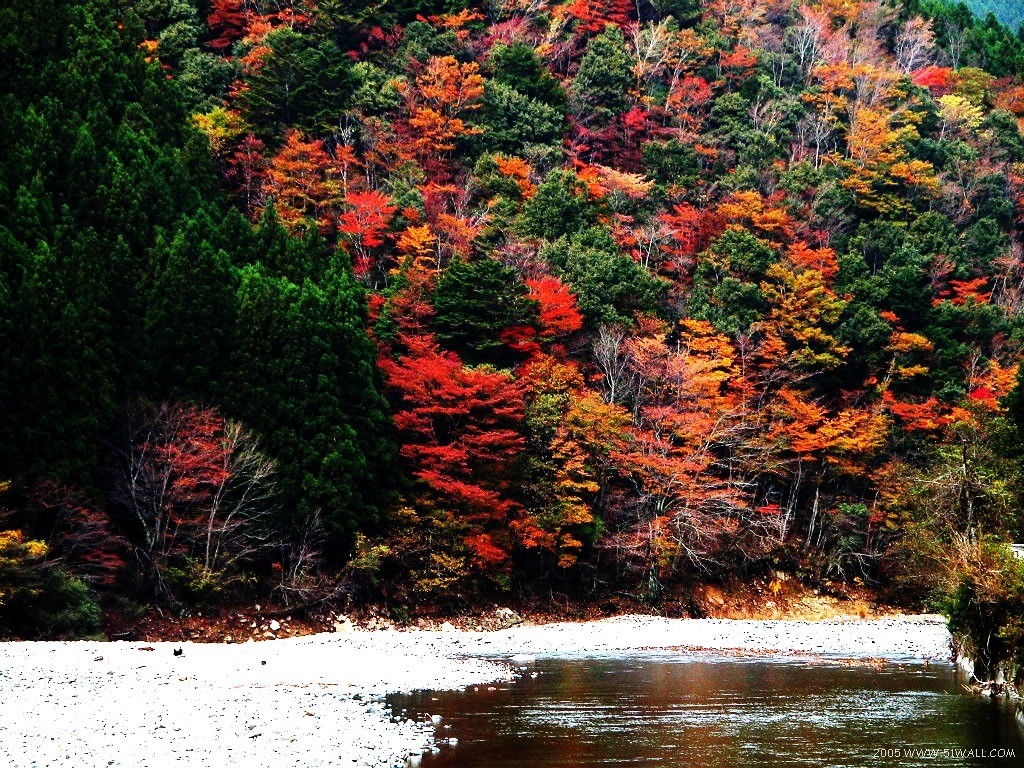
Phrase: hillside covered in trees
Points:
(1008, 12)
(423, 303)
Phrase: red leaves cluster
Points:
(460, 434)
(591, 16)
(190, 456)
(364, 223)
(558, 315)
(82, 537)
(193, 485)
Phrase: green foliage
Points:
(375, 92)
(1009, 12)
(204, 79)
(65, 610)
(599, 88)
(20, 565)
(610, 287)
(303, 376)
(368, 559)
(189, 313)
(726, 288)
(560, 206)
(984, 610)
(80, 224)
(302, 83)
(518, 67)
(867, 335)
(672, 163)
(513, 122)
(420, 41)
(39, 601)
(61, 369)
(474, 303)
(981, 32)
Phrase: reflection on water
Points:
(720, 714)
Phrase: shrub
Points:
(984, 608)
(66, 609)
(39, 601)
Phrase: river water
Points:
(669, 711)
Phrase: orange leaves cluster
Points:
(691, 401)
(302, 181)
(446, 89)
(821, 260)
(844, 439)
(601, 181)
(518, 170)
(804, 312)
(879, 162)
(417, 244)
(962, 292)
(748, 209)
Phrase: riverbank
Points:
(317, 700)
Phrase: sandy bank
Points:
(316, 700)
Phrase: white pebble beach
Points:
(319, 700)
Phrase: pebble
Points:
(260, 704)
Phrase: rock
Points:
(506, 618)
(274, 625)
(447, 627)
(344, 627)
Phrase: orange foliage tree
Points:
(572, 436)
(444, 91)
(301, 181)
(687, 408)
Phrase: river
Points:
(672, 711)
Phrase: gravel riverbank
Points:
(318, 700)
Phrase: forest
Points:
(1009, 12)
(427, 303)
